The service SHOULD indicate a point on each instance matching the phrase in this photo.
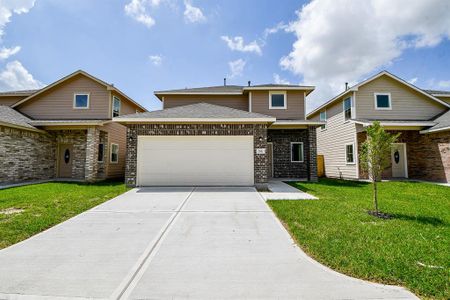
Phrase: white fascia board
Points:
(435, 130)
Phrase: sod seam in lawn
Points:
(412, 249)
(28, 210)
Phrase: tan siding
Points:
(331, 143)
(406, 103)
(295, 105)
(234, 101)
(57, 103)
(126, 107)
(117, 135)
(445, 99)
(10, 100)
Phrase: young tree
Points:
(375, 155)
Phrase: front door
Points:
(65, 160)
(399, 160)
(270, 160)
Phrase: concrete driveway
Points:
(170, 243)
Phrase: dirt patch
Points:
(11, 211)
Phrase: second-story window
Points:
(323, 118)
(277, 100)
(382, 101)
(81, 101)
(347, 108)
(116, 107)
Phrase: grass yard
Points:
(27, 210)
(412, 249)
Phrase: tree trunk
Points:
(375, 195)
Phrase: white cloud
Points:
(278, 80)
(413, 80)
(342, 41)
(236, 67)
(138, 10)
(275, 29)
(8, 7)
(156, 59)
(193, 14)
(237, 44)
(16, 77)
(444, 83)
(7, 52)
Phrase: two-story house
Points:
(64, 130)
(222, 135)
(421, 116)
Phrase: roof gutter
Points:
(11, 125)
(193, 120)
(435, 130)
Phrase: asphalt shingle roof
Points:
(434, 92)
(228, 88)
(11, 116)
(19, 93)
(442, 121)
(196, 111)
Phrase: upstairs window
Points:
(277, 100)
(349, 154)
(296, 152)
(347, 108)
(323, 118)
(382, 101)
(116, 107)
(81, 101)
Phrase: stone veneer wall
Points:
(259, 131)
(26, 155)
(78, 139)
(282, 165)
(428, 155)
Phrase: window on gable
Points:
(383, 101)
(277, 100)
(114, 153)
(323, 118)
(296, 152)
(347, 108)
(349, 154)
(81, 101)
(116, 107)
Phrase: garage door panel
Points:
(195, 160)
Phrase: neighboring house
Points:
(64, 130)
(223, 135)
(422, 117)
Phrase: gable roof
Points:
(108, 86)
(198, 112)
(390, 75)
(12, 118)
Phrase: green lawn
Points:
(27, 210)
(412, 249)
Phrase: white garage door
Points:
(195, 160)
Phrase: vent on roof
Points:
(249, 83)
(225, 82)
(346, 86)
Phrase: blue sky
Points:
(163, 44)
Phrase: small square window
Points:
(277, 100)
(349, 154)
(116, 107)
(114, 153)
(296, 152)
(101, 151)
(347, 108)
(383, 101)
(81, 101)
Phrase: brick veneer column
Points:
(92, 141)
(312, 137)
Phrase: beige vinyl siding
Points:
(10, 100)
(331, 143)
(116, 135)
(406, 103)
(295, 105)
(57, 102)
(445, 99)
(233, 101)
(126, 107)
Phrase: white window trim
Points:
(354, 158)
(303, 153)
(112, 105)
(103, 152)
(376, 103)
(277, 93)
(351, 108)
(320, 119)
(81, 94)
(111, 153)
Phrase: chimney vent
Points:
(224, 82)
(249, 83)
(346, 86)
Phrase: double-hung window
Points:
(347, 108)
(382, 101)
(81, 101)
(277, 100)
(323, 118)
(350, 153)
(296, 152)
(116, 107)
(114, 153)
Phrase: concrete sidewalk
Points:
(166, 243)
(280, 190)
